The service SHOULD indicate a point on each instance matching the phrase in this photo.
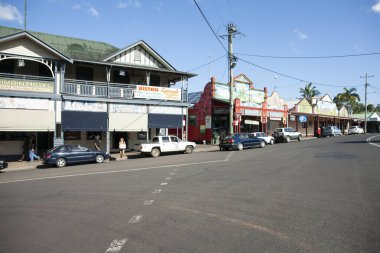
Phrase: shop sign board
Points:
(252, 112)
(155, 92)
(302, 118)
(26, 85)
(276, 114)
(292, 118)
(218, 111)
(208, 122)
(167, 110)
(123, 108)
(221, 91)
(85, 106)
(26, 103)
(251, 122)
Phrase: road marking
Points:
(229, 156)
(163, 184)
(157, 191)
(116, 245)
(168, 178)
(112, 171)
(371, 143)
(148, 202)
(172, 174)
(135, 219)
(175, 170)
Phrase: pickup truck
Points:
(163, 144)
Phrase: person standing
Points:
(25, 150)
(122, 147)
(97, 142)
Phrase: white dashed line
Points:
(172, 174)
(175, 170)
(116, 245)
(163, 184)
(168, 178)
(157, 191)
(148, 202)
(135, 219)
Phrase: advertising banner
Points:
(154, 92)
(26, 85)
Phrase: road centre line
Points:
(135, 219)
(148, 202)
(112, 171)
(374, 144)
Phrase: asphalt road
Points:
(319, 195)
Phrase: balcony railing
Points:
(86, 88)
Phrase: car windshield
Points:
(57, 148)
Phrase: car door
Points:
(176, 144)
(166, 144)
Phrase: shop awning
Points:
(84, 121)
(131, 122)
(164, 121)
(27, 120)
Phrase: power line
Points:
(203, 65)
(295, 78)
(308, 57)
(216, 36)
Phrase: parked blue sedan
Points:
(240, 141)
(68, 154)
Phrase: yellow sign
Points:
(26, 85)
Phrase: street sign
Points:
(302, 118)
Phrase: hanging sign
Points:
(302, 118)
(154, 92)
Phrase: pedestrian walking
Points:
(122, 147)
(97, 142)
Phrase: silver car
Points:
(331, 131)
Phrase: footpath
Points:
(24, 165)
(17, 166)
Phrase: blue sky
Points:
(176, 30)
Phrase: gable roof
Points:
(69, 47)
(148, 48)
(243, 79)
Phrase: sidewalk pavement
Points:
(17, 166)
(24, 165)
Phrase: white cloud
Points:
(376, 7)
(10, 13)
(93, 11)
(159, 7)
(301, 35)
(86, 8)
(131, 3)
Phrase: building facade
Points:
(68, 90)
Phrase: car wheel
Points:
(240, 146)
(271, 142)
(99, 158)
(188, 149)
(61, 162)
(155, 152)
(287, 139)
(299, 137)
(262, 144)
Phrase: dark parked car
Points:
(3, 164)
(67, 154)
(240, 141)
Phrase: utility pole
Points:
(24, 15)
(232, 30)
(365, 99)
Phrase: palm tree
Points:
(309, 91)
(348, 98)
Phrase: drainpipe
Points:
(108, 148)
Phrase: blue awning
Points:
(164, 121)
(84, 121)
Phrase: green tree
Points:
(309, 91)
(348, 98)
(359, 108)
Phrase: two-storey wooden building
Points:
(67, 90)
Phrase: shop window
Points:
(58, 129)
(84, 73)
(141, 135)
(192, 120)
(91, 135)
(12, 136)
(72, 135)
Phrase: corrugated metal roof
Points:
(194, 97)
(72, 47)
